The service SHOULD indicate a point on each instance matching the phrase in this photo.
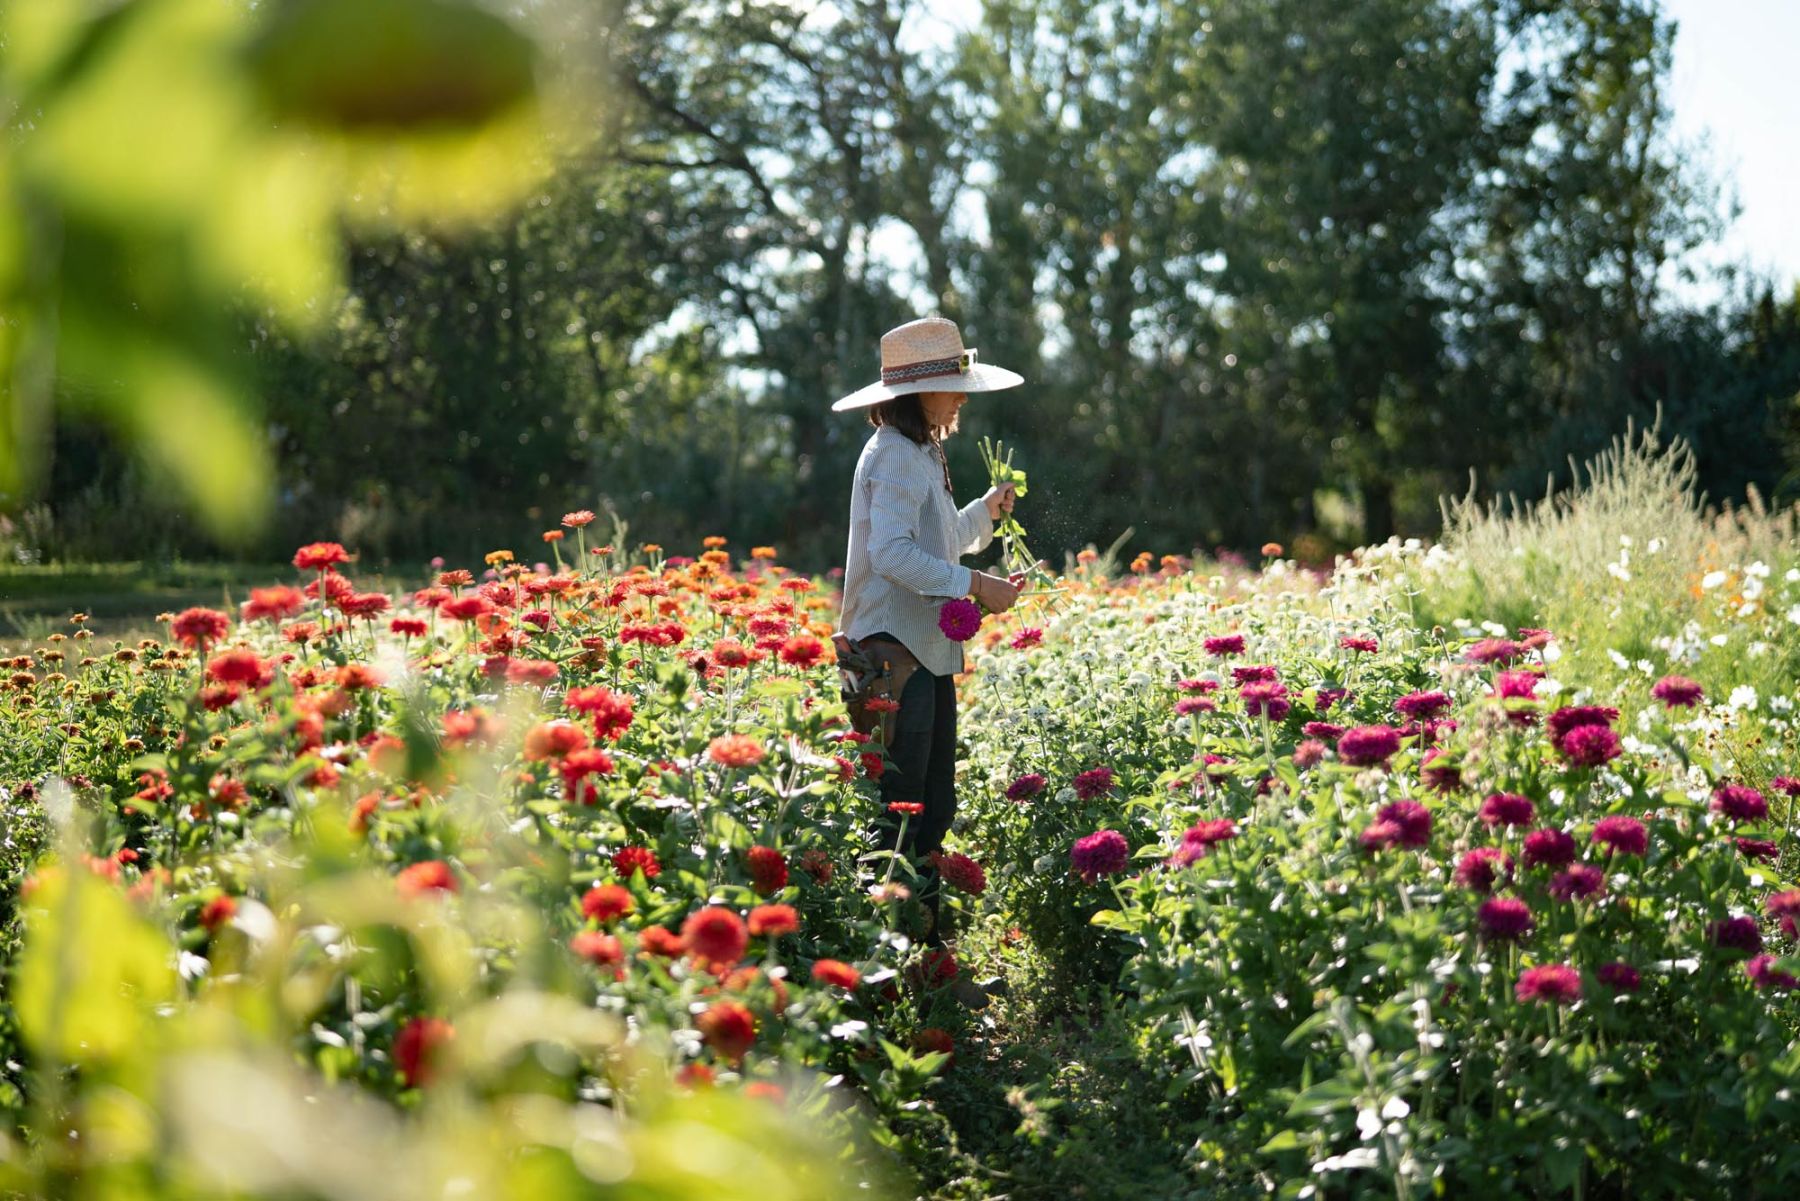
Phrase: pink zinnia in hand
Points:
(959, 619)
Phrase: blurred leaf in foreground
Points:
(171, 160)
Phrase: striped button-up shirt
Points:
(906, 535)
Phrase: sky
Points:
(1735, 93)
(1734, 85)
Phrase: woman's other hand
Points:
(994, 594)
(999, 500)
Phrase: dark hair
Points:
(904, 413)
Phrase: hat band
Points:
(928, 369)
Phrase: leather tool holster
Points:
(867, 669)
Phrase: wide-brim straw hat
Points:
(928, 356)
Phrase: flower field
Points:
(557, 881)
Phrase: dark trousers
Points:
(921, 767)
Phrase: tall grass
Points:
(1631, 561)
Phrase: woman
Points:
(906, 535)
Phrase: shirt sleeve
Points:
(974, 527)
(896, 503)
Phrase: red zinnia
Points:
(554, 739)
(836, 973)
(278, 602)
(606, 902)
(200, 627)
(627, 860)
(418, 1048)
(433, 875)
(802, 651)
(768, 870)
(773, 921)
(961, 871)
(601, 950)
(236, 667)
(715, 936)
(660, 941)
(729, 1028)
(736, 750)
(906, 808)
(217, 912)
(318, 556)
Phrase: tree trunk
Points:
(1378, 508)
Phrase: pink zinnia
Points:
(1740, 803)
(1379, 836)
(1200, 839)
(1618, 976)
(1322, 730)
(1412, 820)
(1517, 686)
(1508, 809)
(1505, 917)
(1480, 869)
(1577, 883)
(1188, 706)
(1764, 974)
(1422, 706)
(1224, 644)
(1556, 983)
(1366, 746)
(1786, 906)
(1621, 835)
(1367, 646)
(1675, 691)
(1093, 783)
(959, 619)
(1552, 848)
(1027, 638)
(1590, 746)
(1786, 785)
(1493, 650)
(1102, 853)
(1309, 753)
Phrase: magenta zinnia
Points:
(1093, 783)
(1621, 835)
(1366, 746)
(1508, 809)
(1025, 787)
(1739, 803)
(1590, 746)
(1411, 819)
(1422, 706)
(1577, 882)
(1102, 853)
(1735, 934)
(1505, 917)
(1677, 690)
(1764, 974)
(1480, 869)
(1224, 644)
(1552, 848)
(1265, 698)
(959, 619)
(1618, 976)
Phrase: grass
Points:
(1627, 563)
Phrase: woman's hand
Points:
(999, 500)
(993, 593)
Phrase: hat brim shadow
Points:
(982, 377)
